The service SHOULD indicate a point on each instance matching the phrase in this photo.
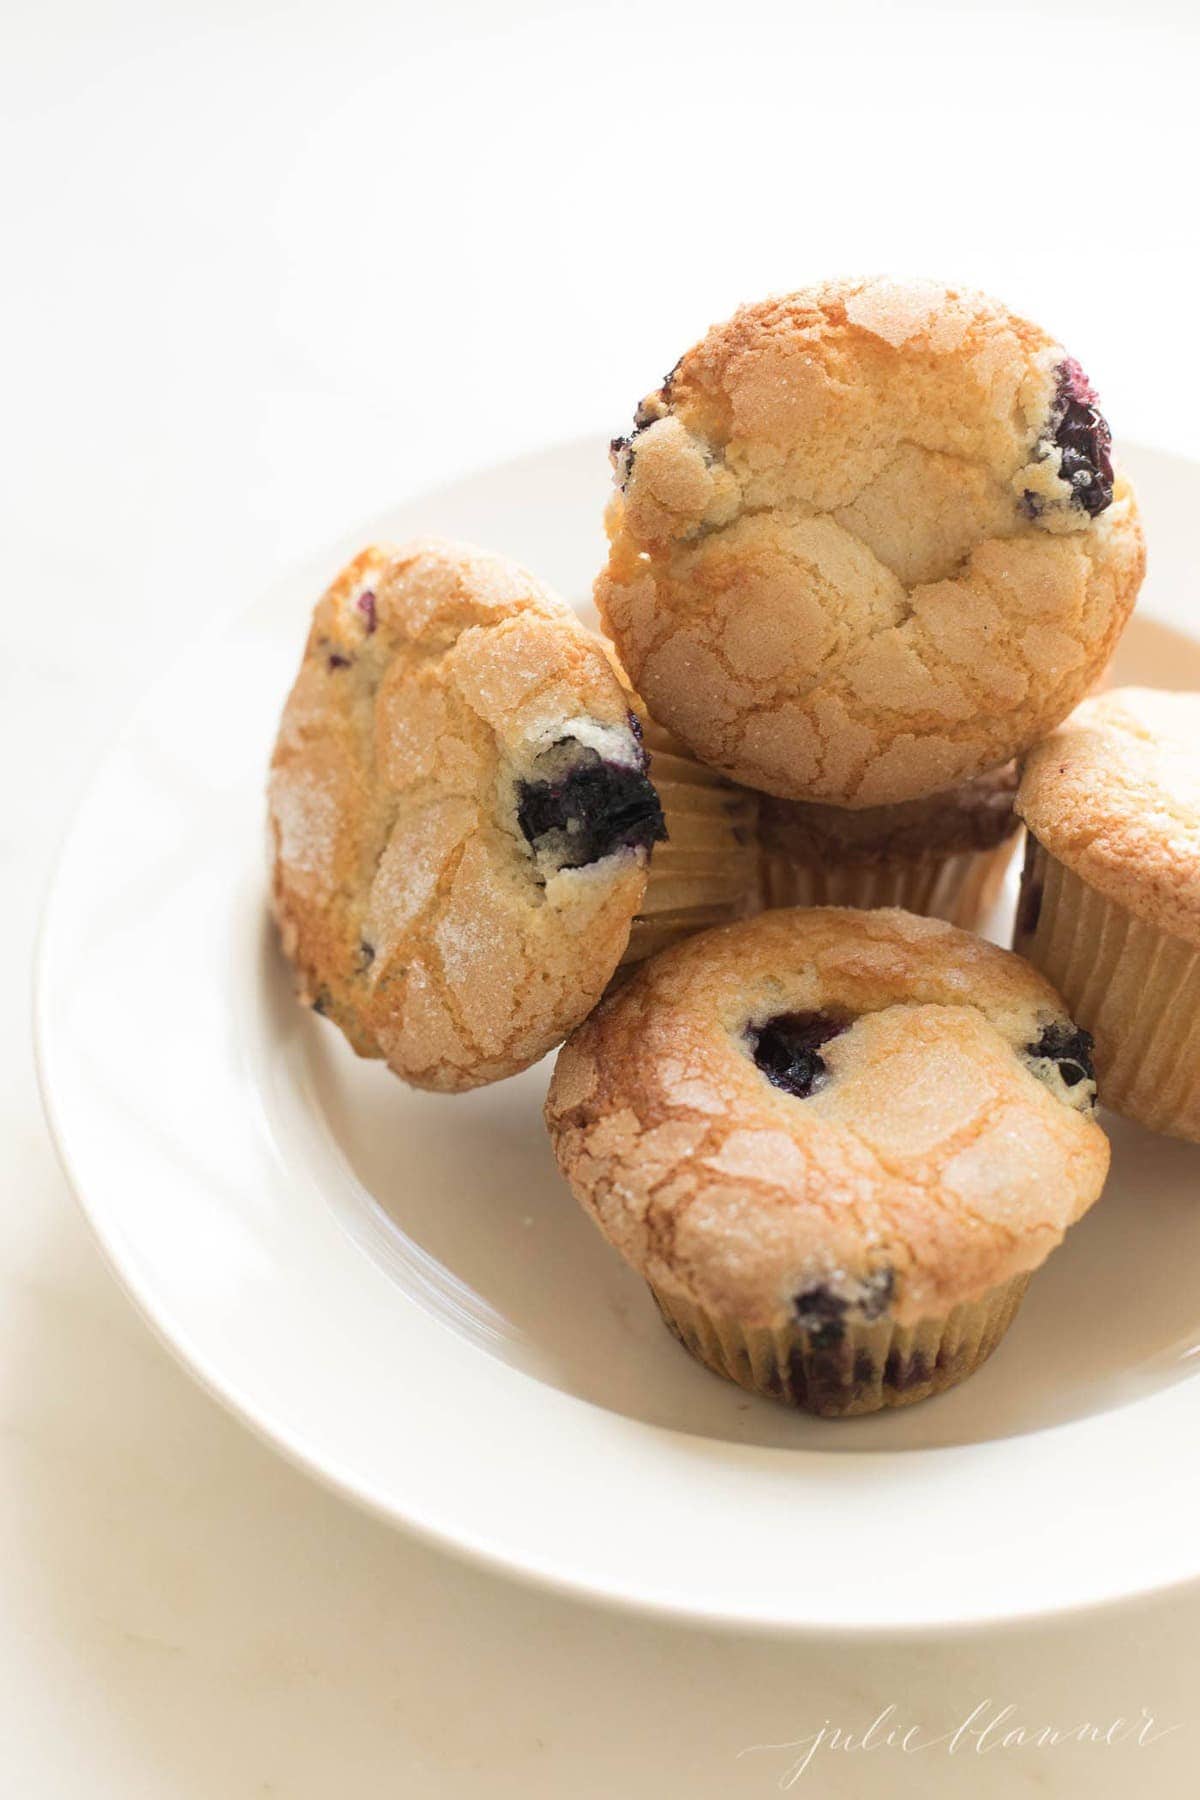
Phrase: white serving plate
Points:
(398, 1291)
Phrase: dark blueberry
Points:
(824, 1379)
(1070, 1048)
(821, 1313)
(902, 1375)
(830, 1377)
(586, 808)
(366, 606)
(1080, 431)
(1083, 436)
(785, 1049)
(321, 1001)
(366, 955)
(647, 411)
(338, 661)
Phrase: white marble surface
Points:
(268, 267)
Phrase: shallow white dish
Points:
(398, 1291)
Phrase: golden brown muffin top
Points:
(867, 1103)
(867, 542)
(461, 814)
(1114, 794)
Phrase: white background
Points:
(270, 267)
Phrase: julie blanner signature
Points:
(989, 1728)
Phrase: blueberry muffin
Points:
(868, 542)
(1110, 894)
(836, 1144)
(943, 857)
(468, 833)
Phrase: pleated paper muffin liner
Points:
(870, 1366)
(1135, 987)
(706, 872)
(960, 887)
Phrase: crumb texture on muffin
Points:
(867, 542)
(828, 1109)
(461, 814)
(1114, 795)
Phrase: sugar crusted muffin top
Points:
(1114, 794)
(863, 1105)
(867, 542)
(461, 814)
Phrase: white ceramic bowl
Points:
(397, 1289)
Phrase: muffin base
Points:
(871, 1367)
(705, 872)
(960, 888)
(1133, 986)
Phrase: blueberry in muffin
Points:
(837, 1144)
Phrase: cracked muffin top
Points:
(866, 1106)
(867, 542)
(1114, 794)
(461, 814)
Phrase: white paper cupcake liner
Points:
(871, 1366)
(1134, 987)
(960, 887)
(706, 872)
